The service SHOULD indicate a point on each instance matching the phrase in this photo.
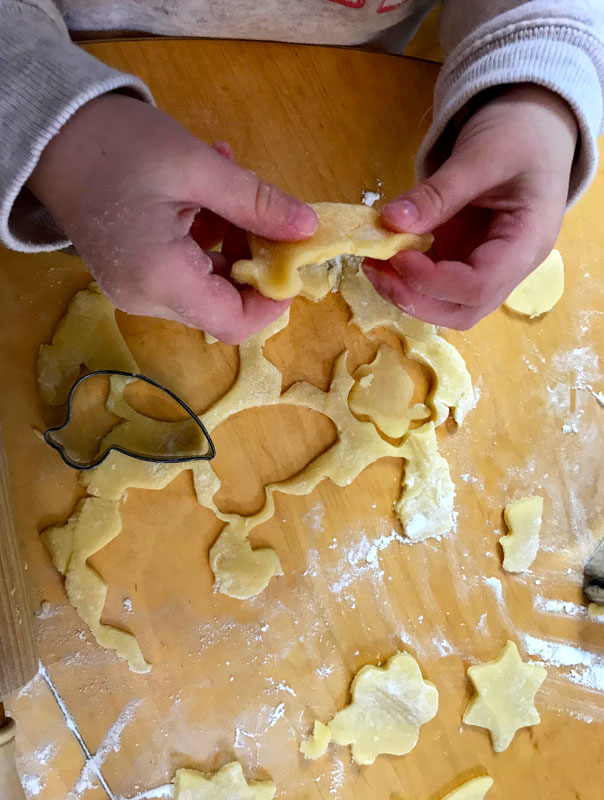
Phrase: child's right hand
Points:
(125, 183)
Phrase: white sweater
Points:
(45, 78)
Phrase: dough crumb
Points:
(523, 519)
(595, 610)
(317, 743)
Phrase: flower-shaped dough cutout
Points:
(389, 706)
(383, 392)
(226, 784)
(504, 700)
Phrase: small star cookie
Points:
(504, 699)
(226, 784)
(389, 706)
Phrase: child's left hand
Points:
(495, 207)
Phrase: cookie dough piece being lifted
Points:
(343, 229)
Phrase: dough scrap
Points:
(474, 789)
(228, 783)
(383, 392)
(540, 291)
(87, 334)
(317, 743)
(452, 388)
(389, 706)
(425, 507)
(595, 610)
(93, 524)
(523, 518)
(343, 229)
(504, 698)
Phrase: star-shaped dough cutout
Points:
(504, 699)
(228, 783)
(389, 706)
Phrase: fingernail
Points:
(407, 213)
(305, 221)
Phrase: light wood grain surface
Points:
(245, 680)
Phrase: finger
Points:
(389, 284)
(514, 246)
(247, 201)
(182, 276)
(224, 148)
(461, 179)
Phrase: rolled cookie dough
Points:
(389, 706)
(541, 290)
(520, 546)
(504, 697)
(228, 783)
(356, 230)
(87, 334)
(94, 523)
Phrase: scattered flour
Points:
(32, 785)
(586, 669)
(127, 603)
(337, 777)
(314, 518)
(110, 744)
(560, 607)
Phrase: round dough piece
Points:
(541, 290)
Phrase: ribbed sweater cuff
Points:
(49, 79)
(566, 59)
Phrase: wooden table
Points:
(244, 680)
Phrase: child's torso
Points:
(313, 21)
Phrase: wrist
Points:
(74, 155)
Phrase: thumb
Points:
(465, 176)
(245, 200)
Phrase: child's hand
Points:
(125, 182)
(495, 207)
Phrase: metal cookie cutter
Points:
(179, 432)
